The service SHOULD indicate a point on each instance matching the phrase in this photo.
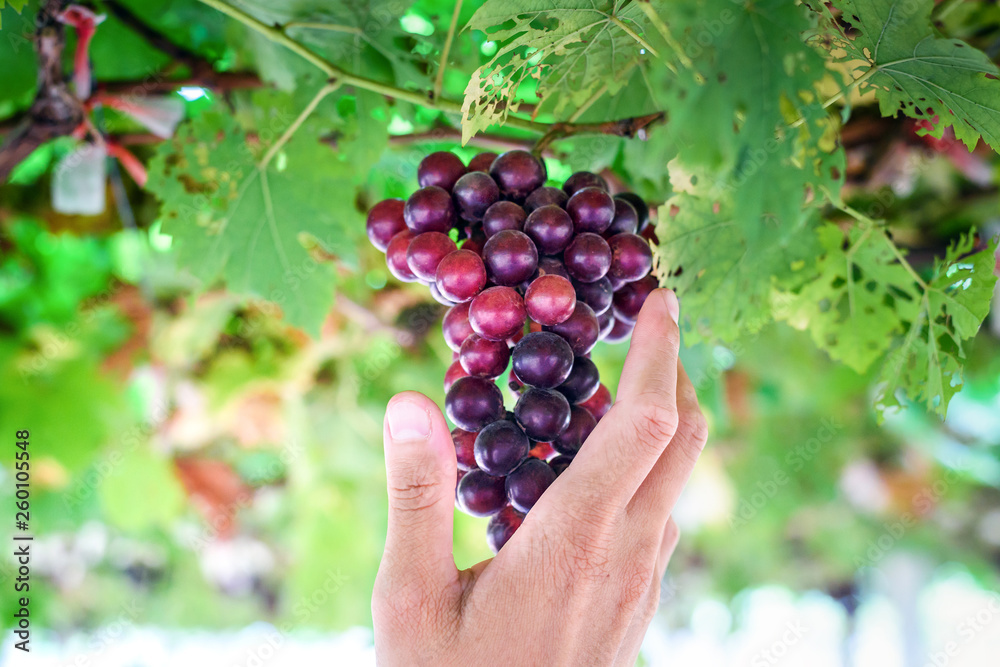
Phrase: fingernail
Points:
(408, 421)
(673, 305)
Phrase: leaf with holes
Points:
(944, 82)
(247, 226)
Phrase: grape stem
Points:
(627, 127)
(439, 79)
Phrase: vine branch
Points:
(627, 127)
(439, 80)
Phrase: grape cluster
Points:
(533, 277)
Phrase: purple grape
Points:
(473, 402)
(631, 257)
(480, 494)
(440, 298)
(473, 194)
(582, 382)
(454, 372)
(605, 323)
(461, 275)
(588, 257)
(542, 413)
(626, 220)
(616, 283)
(502, 527)
(510, 257)
(597, 294)
(551, 228)
(619, 332)
(591, 209)
(484, 358)
(425, 253)
(552, 266)
(514, 384)
(502, 216)
(580, 330)
(500, 447)
(581, 423)
(482, 162)
(395, 256)
(584, 179)
(543, 359)
(527, 483)
(441, 169)
(384, 221)
(545, 196)
(518, 173)
(598, 404)
(640, 206)
(629, 299)
(497, 313)
(429, 210)
(560, 463)
(456, 326)
(475, 242)
(550, 299)
(464, 448)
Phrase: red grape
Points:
(527, 483)
(454, 372)
(552, 266)
(501, 216)
(631, 257)
(482, 162)
(395, 256)
(597, 294)
(545, 196)
(543, 360)
(582, 381)
(429, 210)
(518, 173)
(502, 527)
(629, 299)
(500, 447)
(384, 221)
(598, 404)
(464, 448)
(580, 330)
(497, 313)
(426, 251)
(510, 257)
(461, 275)
(550, 227)
(473, 194)
(441, 169)
(588, 257)
(542, 413)
(591, 209)
(581, 424)
(584, 179)
(473, 402)
(550, 299)
(626, 220)
(480, 494)
(456, 326)
(541, 450)
(484, 358)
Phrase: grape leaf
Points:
(16, 5)
(234, 221)
(856, 297)
(927, 364)
(942, 81)
(572, 48)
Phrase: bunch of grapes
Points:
(533, 277)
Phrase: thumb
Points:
(420, 472)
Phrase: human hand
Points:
(579, 582)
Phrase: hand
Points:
(579, 582)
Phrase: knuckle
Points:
(636, 582)
(698, 427)
(414, 488)
(654, 423)
(399, 607)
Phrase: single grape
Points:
(631, 257)
(384, 221)
(502, 527)
(497, 313)
(482, 162)
(473, 194)
(541, 450)
(640, 206)
(582, 381)
(584, 179)
(626, 220)
(542, 413)
(560, 463)
(550, 299)
(518, 173)
(605, 323)
(527, 483)
(464, 448)
(429, 210)
(473, 402)
(461, 275)
(510, 257)
(551, 229)
(597, 294)
(441, 169)
(475, 242)
(598, 404)
(395, 256)
(581, 423)
(456, 326)
(619, 332)
(484, 358)
(426, 251)
(545, 196)
(591, 209)
(543, 359)
(500, 447)
(629, 299)
(552, 266)
(455, 371)
(480, 494)
(580, 330)
(588, 257)
(501, 216)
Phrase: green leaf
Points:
(139, 490)
(944, 82)
(927, 365)
(247, 226)
(573, 48)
